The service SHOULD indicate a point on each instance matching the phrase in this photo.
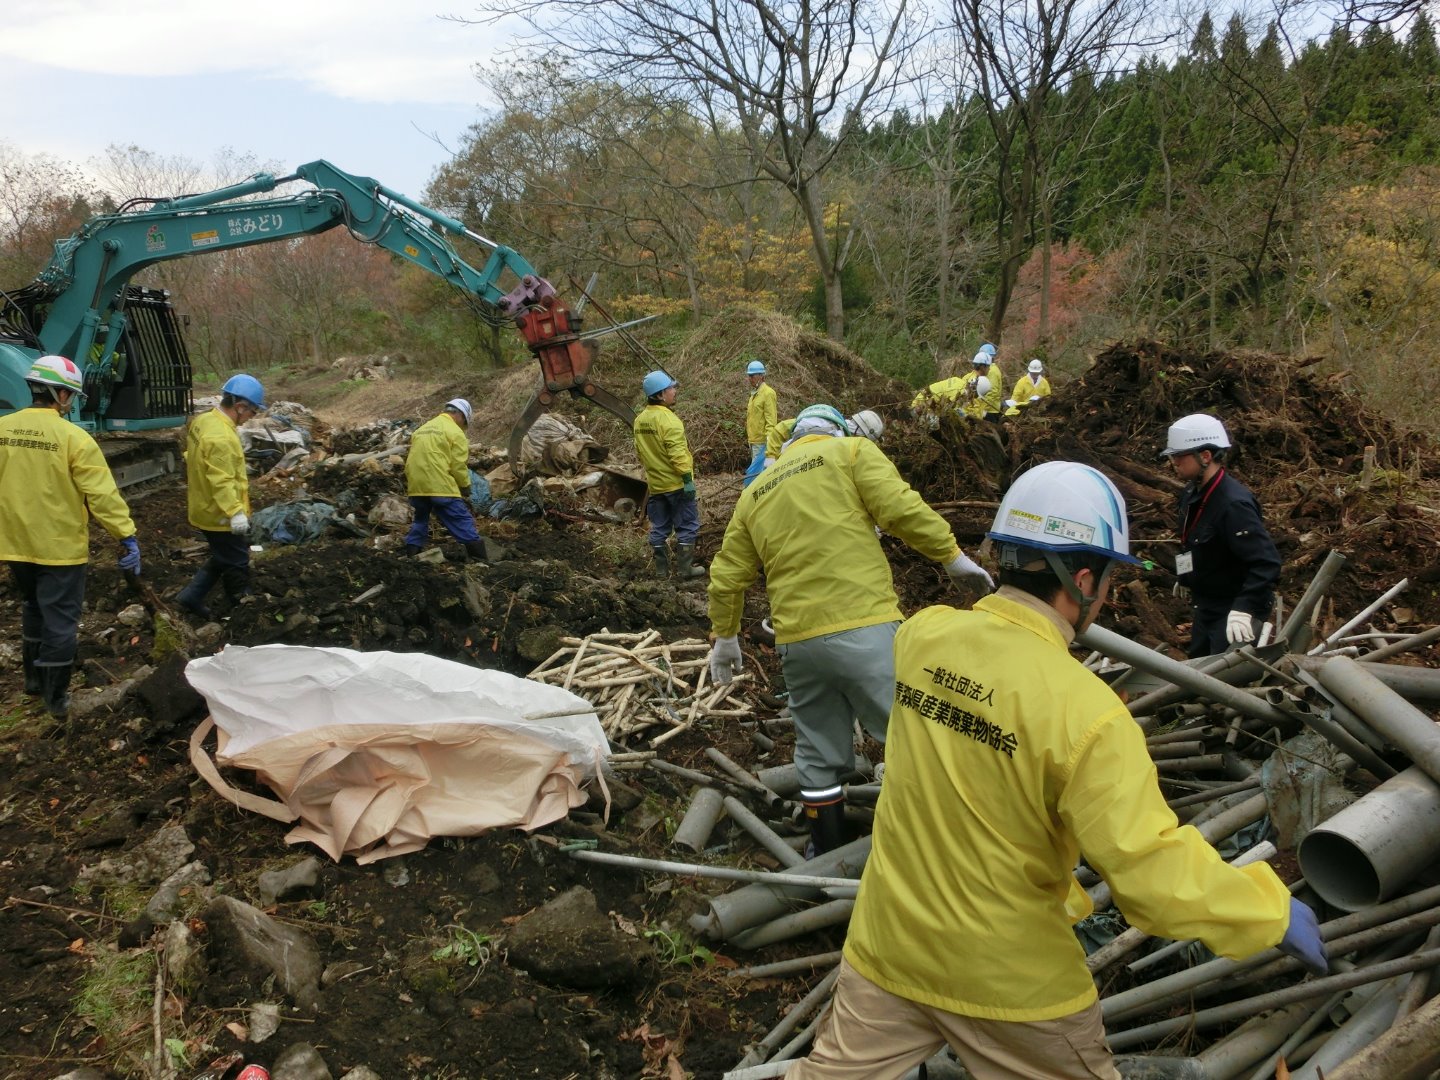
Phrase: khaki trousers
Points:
(871, 1034)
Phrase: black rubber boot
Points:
(192, 597)
(827, 826)
(236, 580)
(685, 568)
(662, 562)
(29, 653)
(477, 551)
(55, 687)
(411, 549)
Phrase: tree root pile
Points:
(1300, 445)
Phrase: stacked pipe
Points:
(1370, 870)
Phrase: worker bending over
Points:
(866, 424)
(437, 480)
(217, 496)
(809, 524)
(671, 505)
(1227, 559)
(1007, 760)
(984, 403)
(53, 476)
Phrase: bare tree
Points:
(792, 79)
(1027, 54)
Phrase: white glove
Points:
(966, 571)
(1239, 627)
(1180, 592)
(768, 462)
(240, 524)
(725, 660)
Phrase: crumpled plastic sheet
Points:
(525, 503)
(1303, 786)
(297, 522)
(480, 498)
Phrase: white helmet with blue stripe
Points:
(1063, 506)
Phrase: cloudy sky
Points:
(370, 85)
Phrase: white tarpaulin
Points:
(375, 753)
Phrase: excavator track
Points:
(135, 457)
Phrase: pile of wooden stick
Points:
(638, 682)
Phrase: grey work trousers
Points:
(834, 679)
(51, 598)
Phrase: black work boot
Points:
(662, 562)
(827, 825)
(192, 597)
(411, 549)
(685, 568)
(29, 653)
(55, 686)
(236, 581)
(476, 550)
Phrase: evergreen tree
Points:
(1202, 45)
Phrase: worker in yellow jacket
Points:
(437, 480)
(760, 416)
(1007, 760)
(866, 423)
(986, 403)
(940, 398)
(218, 493)
(1029, 388)
(809, 524)
(52, 478)
(671, 503)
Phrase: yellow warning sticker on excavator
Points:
(204, 239)
(413, 252)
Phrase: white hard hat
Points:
(1198, 431)
(461, 406)
(981, 357)
(56, 372)
(982, 386)
(1063, 506)
(867, 424)
(1036, 367)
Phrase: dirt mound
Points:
(1300, 444)
(805, 367)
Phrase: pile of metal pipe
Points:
(1370, 858)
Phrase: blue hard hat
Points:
(988, 349)
(755, 367)
(247, 387)
(655, 382)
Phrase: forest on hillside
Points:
(1051, 176)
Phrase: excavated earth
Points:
(69, 798)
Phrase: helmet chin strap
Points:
(1067, 582)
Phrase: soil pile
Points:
(1300, 442)
(803, 365)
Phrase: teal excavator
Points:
(127, 339)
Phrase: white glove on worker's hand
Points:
(966, 571)
(768, 462)
(1180, 592)
(240, 523)
(725, 660)
(1239, 627)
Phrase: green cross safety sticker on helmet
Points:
(56, 372)
(1063, 506)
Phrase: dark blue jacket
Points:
(1236, 564)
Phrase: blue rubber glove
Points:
(687, 485)
(130, 556)
(1302, 939)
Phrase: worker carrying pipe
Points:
(1227, 559)
(1006, 761)
(809, 523)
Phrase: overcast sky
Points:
(366, 84)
